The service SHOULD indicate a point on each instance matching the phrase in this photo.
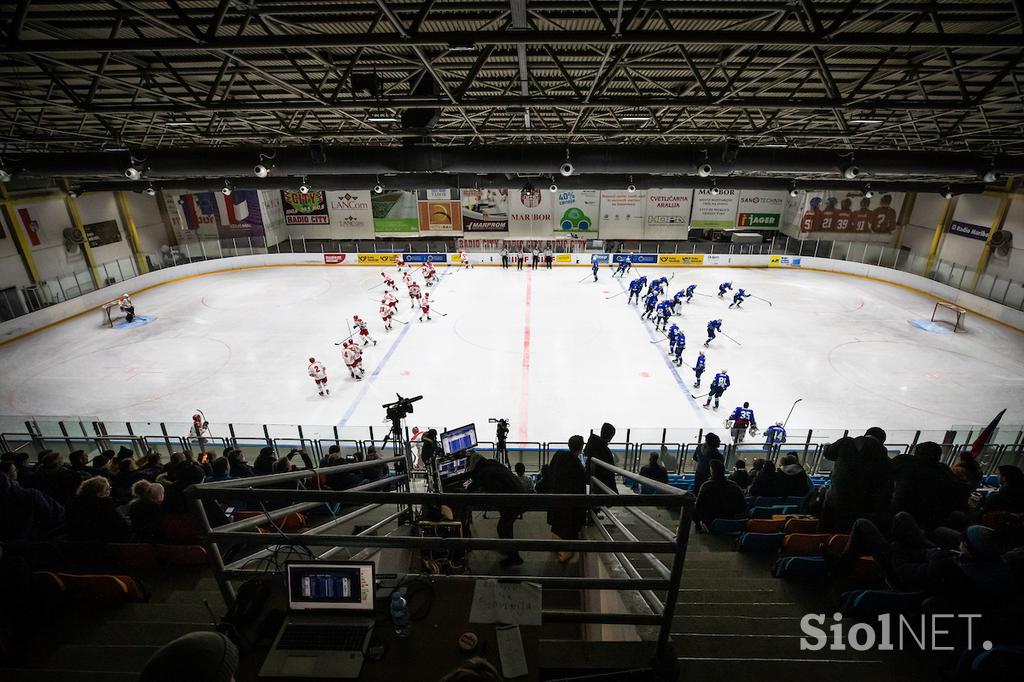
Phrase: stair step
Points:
(761, 647)
(165, 613)
(51, 675)
(754, 609)
(758, 670)
(125, 658)
(132, 632)
(691, 624)
(743, 596)
(215, 598)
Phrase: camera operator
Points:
(491, 476)
(429, 450)
(502, 437)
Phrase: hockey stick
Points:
(763, 299)
(398, 320)
(660, 340)
(729, 337)
(584, 279)
(702, 395)
(344, 339)
(791, 412)
(700, 294)
(614, 295)
(440, 313)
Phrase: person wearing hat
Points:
(196, 657)
(926, 488)
(1010, 495)
(491, 476)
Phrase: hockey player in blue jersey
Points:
(774, 437)
(649, 302)
(689, 292)
(673, 333)
(664, 314)
(594, 265)
(723, 287)
(713, 326)
(635, 287)
(742, 418)
(625, 265)
(698, 369)
(680, 347)
(718, 386)
(737, 299)
(676, 300)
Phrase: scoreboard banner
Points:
(305, 208)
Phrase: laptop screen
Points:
(457, 440)
(336, 587)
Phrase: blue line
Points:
(366, 386)
(683, 386)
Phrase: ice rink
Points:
(553, 354)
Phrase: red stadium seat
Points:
(114, 588)
(804, 544)
(765, 525)
(801, 525)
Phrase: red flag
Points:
(986, 435)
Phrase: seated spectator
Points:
(239, 468)
(565, 474)
(182, 472)
(25, 514)
(92, 514)
(861, 481)
(196, 657)
(794, 481)
(718, 498)
(525, 480)
(654, 471)
(79, 462)
(264, 463)
(968, 470)
(20, 462)
(307, 461)
(1010, 495)
(282, 466)
(925, 488)
(126, 476)
(55, 479)
(151, 466)
(767, 483)
(145, 512)
(219, 471)
(371, 474)
(739, 474)
(705, 454)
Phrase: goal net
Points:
(947, 313)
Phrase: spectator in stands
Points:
(374, 473)
(654, 471)
(706, 453)
(282, 466)
(92, 514)
(126, 476)
(9, 469)
(181, 473)
(739, 474)
(239, 468)
(219, 468)
(565, 475)
(597, 448)
(20, 462)
(25, 514)
(55, 479)
(79, 462)
(926, 488)
(525, 480)
(303, 457)
(103, 465)
(151, 466)
(491, 476)
(766, 483)
(196, 657)
(794, 481)
(264, 463)
(1010, 495)
(718, 498)
(145, 512)
(861, 481)
(968, 470)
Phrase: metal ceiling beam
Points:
(186, 42)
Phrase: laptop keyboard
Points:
(323, 637)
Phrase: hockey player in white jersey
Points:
(318, 372)
(386, 313)
(389, 281)
(353, 355)
(415, 294)
(364, 332)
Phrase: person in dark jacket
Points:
(565, 474)
(654, 471)
(429, 450)
(79, 463)
(491, 476)
(705, 454)
(767, 482)
(1010, 496)
(597, 448)
(740, 476)
(968, 470)
(925, 488)
(126, 476)
(92, 514)
(52, 478)
(239, 468)
(26, 514)
(264, 463)
(151, 467)
(145, 512)
(718, 498)
(793, 479)
(861, 481)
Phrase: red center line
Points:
(524, 396)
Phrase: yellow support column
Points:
(133, 234)
(76, 221)
(906, 211)
(940, 229)
(997, 224)
(20, 240)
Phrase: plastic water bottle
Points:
(400, 615)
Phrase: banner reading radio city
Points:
(485, 210)
(668, 213)
(305, 208)
(439, 210)
(395, 212)
(849, 215)
(622, 213)
(760, 209)
(529, 212)
(576, 210)
(714, 211)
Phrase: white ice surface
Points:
(237, 345)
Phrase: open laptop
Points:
(329, 623)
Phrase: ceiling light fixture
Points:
(226, 189)
(715, 190)
(704, 170)
(304, 187)
(150, 191)
(851, 172)
(630, 187)
(947, 193)
(381, 117)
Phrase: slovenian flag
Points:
(234, 209)
(985, 436)
(194, 207)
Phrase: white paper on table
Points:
(515, 603)
(510, 651)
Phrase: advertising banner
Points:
(485, 210)
(681, 259)
(309, 208)
(334, 258)
(638, 258)
(576, 210)
(240, 214)
(848, 215)
(969, 230)
(667, 214)
(783, 261)
(601, 258)
(376, 258)
(102, 233)
(424, 257)
(622, 213)
(395, 212)
(714, 211)
(760, 209)
(563, 258)
(439, 210)
(195, 210)
(529, 211)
